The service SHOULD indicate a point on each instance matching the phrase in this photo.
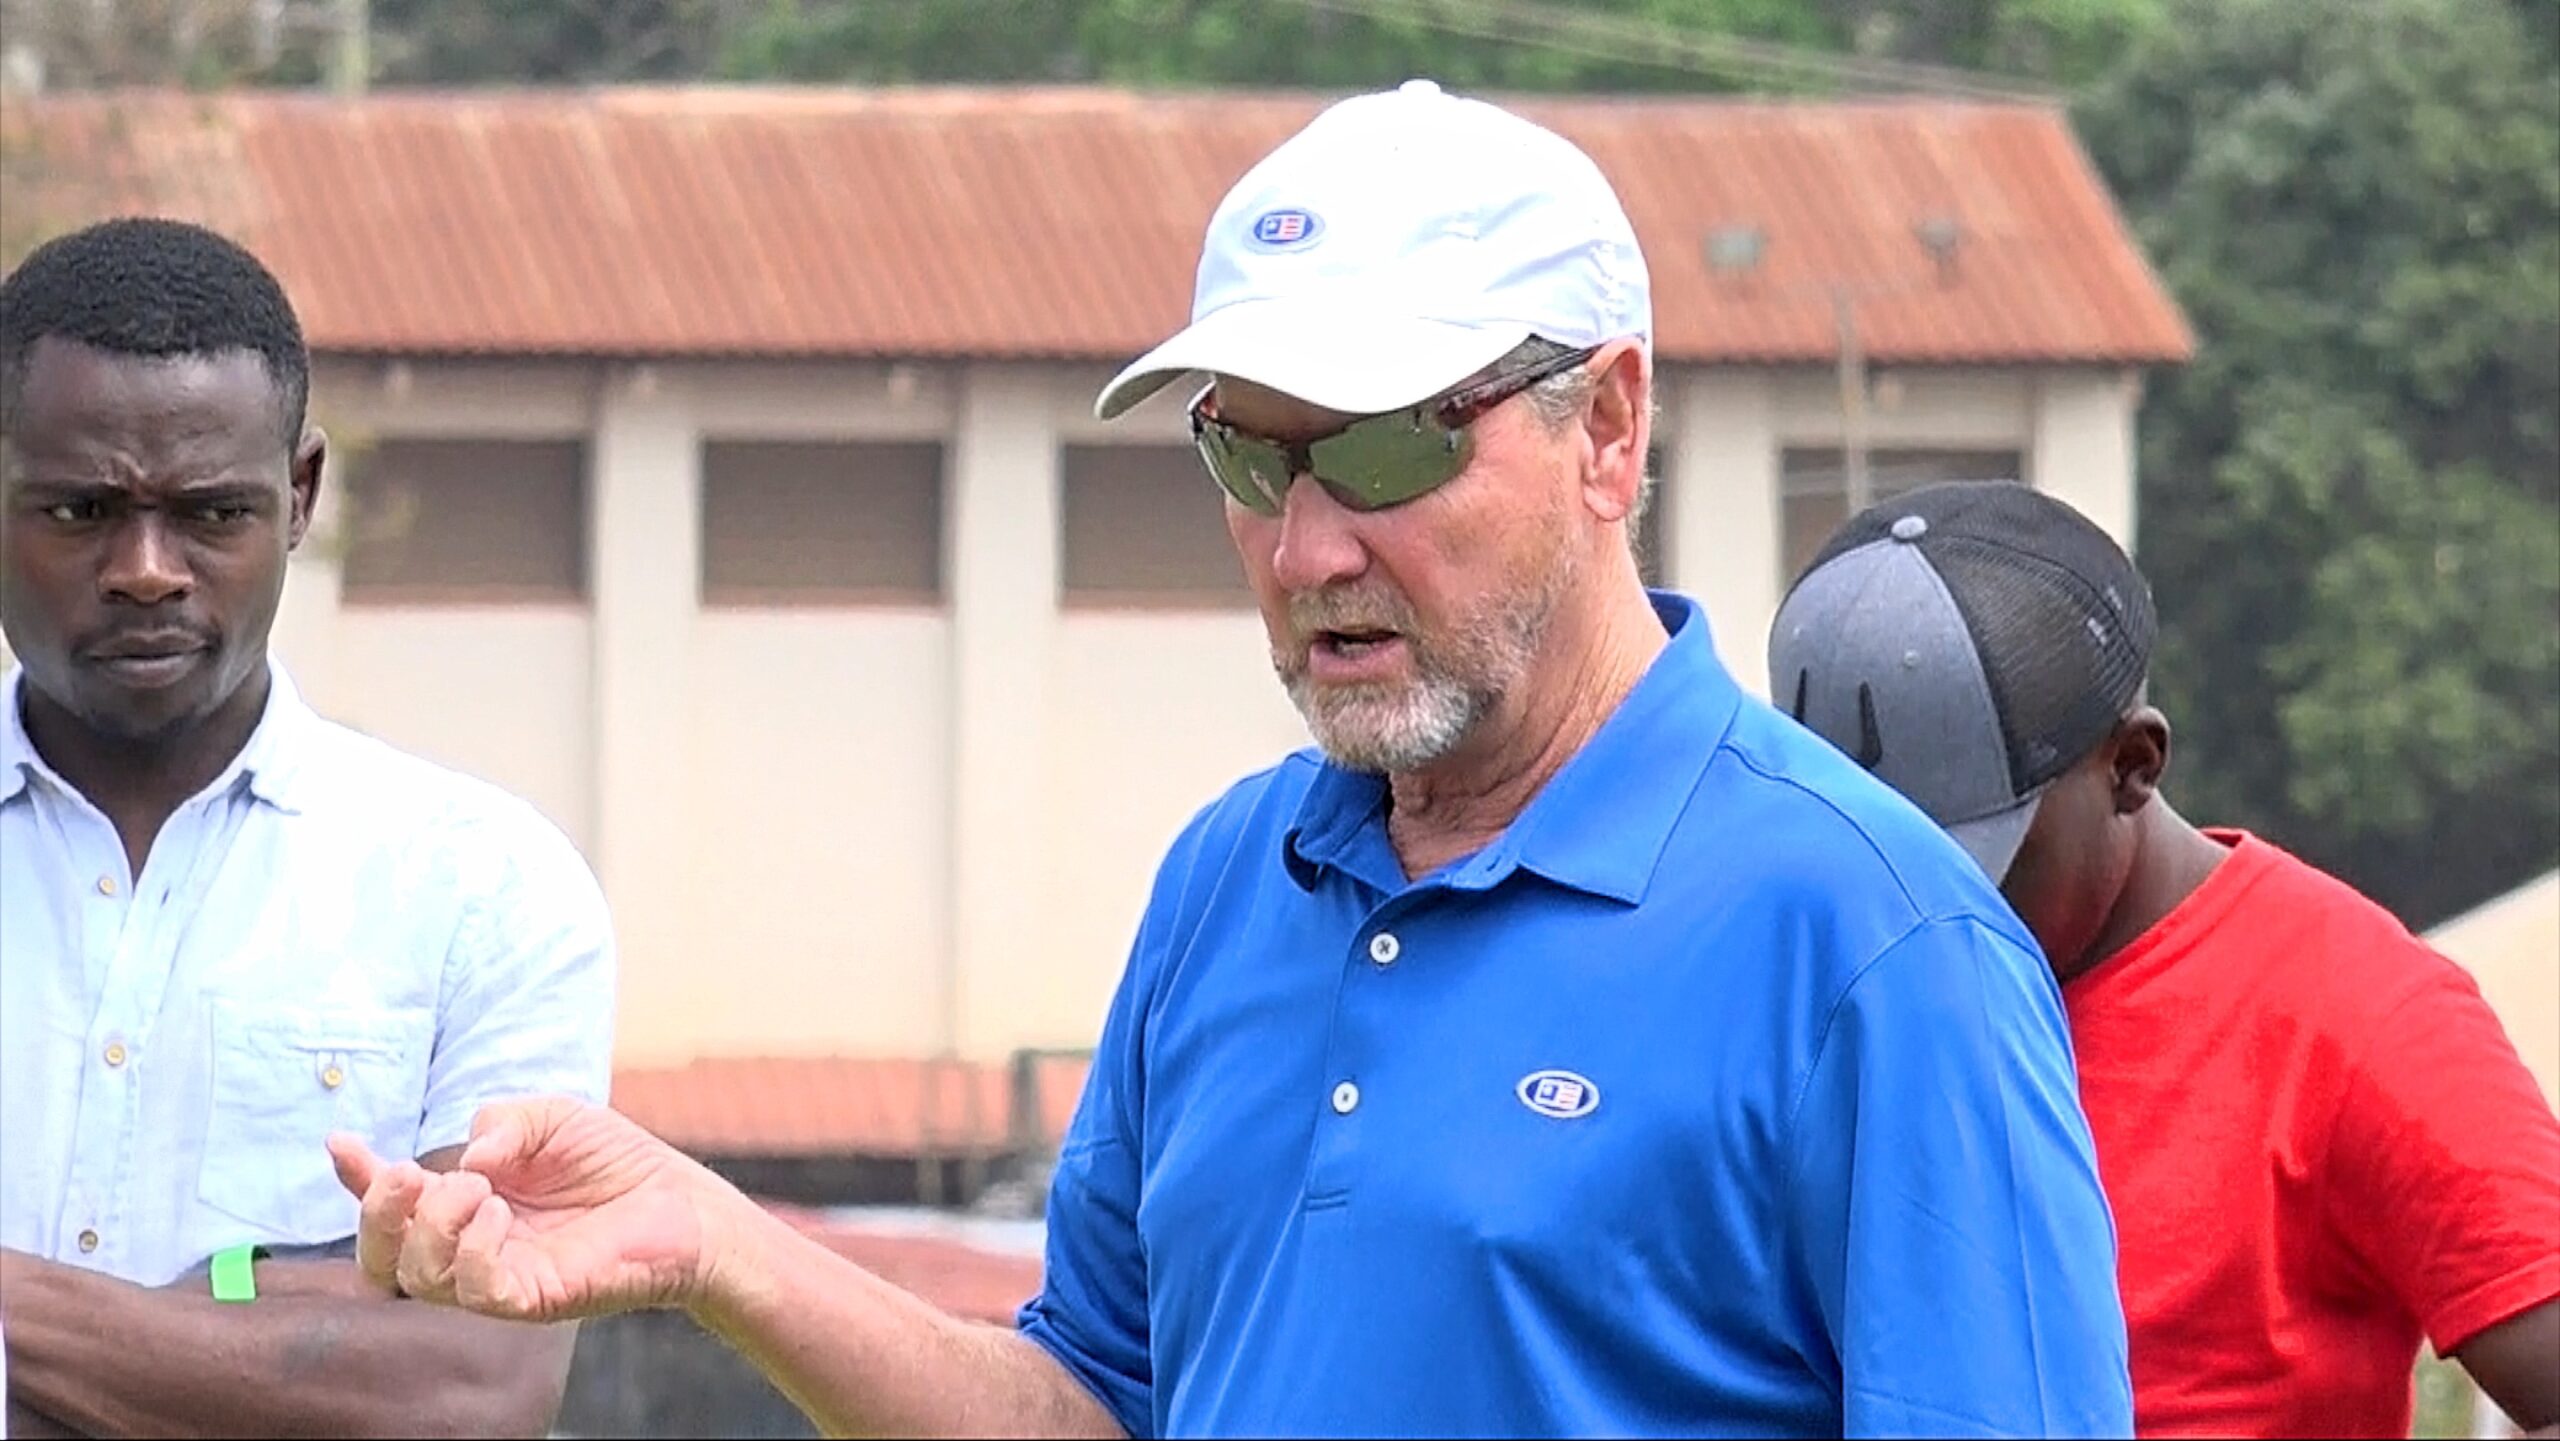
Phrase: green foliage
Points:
(2444, 1398)
(2351, 502)
(1470, 44)
(2063, 42)
(545, 42)
(1262, 43)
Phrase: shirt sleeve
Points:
(1947, 1201)
(2443, 1173)
(1091, 1312)
(527, 1001)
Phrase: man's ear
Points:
(310, 458)
(2139, 753)
(1617, 425)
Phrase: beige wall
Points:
(883, 829)
(1723, 432)
(1153, 716)
(815, 843)
(2512, 947)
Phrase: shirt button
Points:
(115, 1053)
(106, 885)
(88, 1242)
(1346, 1098)
(333, 1078)
(1384, 948)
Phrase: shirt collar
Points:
(1599, 825)
(268, 764)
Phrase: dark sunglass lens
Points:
(1390, 459)
(1254, 472)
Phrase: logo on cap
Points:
(1286, 229)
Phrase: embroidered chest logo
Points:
(1560, 1094)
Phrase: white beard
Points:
(1392, 728)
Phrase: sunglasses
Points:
(1372, 463)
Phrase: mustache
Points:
(1322, 610)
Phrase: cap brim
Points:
(1993, 840)
(1354, 360)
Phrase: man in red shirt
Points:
(2319, 1144)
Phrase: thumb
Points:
(355, 1163)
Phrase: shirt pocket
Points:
(282, 1081)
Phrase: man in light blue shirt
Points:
(228, 926)
(1567, 1045)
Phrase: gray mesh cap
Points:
(1967, 643)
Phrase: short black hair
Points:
(145, 286)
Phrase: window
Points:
(1813, 486)
(1142, 525)
(468, 521)
(821, 523)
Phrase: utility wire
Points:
(1632, 40)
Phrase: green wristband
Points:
(233, 1278)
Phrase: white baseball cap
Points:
(1397, 245)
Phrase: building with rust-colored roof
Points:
(1059, 224)
(721, 477)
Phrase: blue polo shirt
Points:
(1720, 1094)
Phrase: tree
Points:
(1164, 42)
(1619, 46)
(1594, 45)
(2351, 502)
(547, 42)
(190, 43)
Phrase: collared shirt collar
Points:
(268, 764)
(1599, 825)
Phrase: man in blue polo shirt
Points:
(1568, 1044)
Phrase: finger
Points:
(382, 1225)
(480, 1278)
(355, 1162)
(435, 1231)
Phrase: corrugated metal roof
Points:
(883, 1107)
(1051, 222)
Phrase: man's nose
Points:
(1319, 544)
(145, 564)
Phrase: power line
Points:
(1631, 40)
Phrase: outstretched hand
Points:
(556, 1211)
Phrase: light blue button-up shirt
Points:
(332, 935)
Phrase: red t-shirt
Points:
(2320, 1146)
